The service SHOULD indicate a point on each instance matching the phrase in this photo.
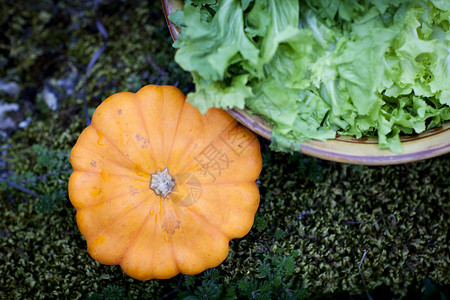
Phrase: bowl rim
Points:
(343, 149)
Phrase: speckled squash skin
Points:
(213, 161)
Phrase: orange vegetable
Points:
(160, 188)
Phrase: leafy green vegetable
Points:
(315, 69)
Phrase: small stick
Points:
(362, 277)
(20, 188)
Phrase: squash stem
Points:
(162, 182)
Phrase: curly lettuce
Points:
(317, 68)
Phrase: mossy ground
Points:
(315, 221)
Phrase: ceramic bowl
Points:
(363, 151)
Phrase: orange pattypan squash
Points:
(160, 188)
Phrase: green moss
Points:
(399, 214)
(46, 257)
(315, 220)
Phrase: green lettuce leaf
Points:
(319, 68)
(209, 48)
